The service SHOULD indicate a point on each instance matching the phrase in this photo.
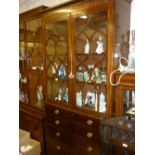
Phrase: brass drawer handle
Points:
(58, 134)
(57, 122)
(89, 122)
(89, 135)
(58, 147)
(89, 149)
(56, 112)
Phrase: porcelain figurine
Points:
(53, 70)
(62, 72)
(102, 103)
(60, 94)
(22, 53)
(90, 99)
(100, 46)
(103, 77)
(66, 95)
(96, 76)
(86, 47)
(86, 76)
(80, 74)
(40, 95)
(79, 99)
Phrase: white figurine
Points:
(102, 102)
(60, 94)
(100, 46)
(86, 47)
(22, 52)
(40, 94)
(79, 99)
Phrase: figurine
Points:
(79, 99)
(102, 102)
(100, 46)
(53, 70)
(40, 95)
(103, 76)
(66, 95)
(22, 53)
(90, 99)
(86, 47)
(86, 76)
(62, 72)
(60, 94)
(96, 76)
(80, 74)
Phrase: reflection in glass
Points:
(128, 100)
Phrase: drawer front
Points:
(56, 147)
(85, 147)
(89, 122)
(53, 111)
(59, 123)
(58, 134)
(86, 132)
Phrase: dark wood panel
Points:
(57, 147)
(89, 133)
(85, 147)
(58, 133)
(59, 113)
(29, 120)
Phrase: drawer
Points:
(59, 123)
(57, 147)
(90, 122)
(85, 147)
(59, 134)
(86, 132)
(53, 111)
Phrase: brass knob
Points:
(89, 122)
(57, 122)
(56, 112)
(89, 135)
(89, 149)
(58, 147)
(58, 134)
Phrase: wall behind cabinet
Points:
(25, 5)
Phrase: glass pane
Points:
(91, 61)
(34, 59)
(125, 35)
(23, 87)
(56, 61)
(129, 102)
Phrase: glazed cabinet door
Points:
(31, 63)
(92, 55)
(35, 61)
(23, 70)
(57, 59)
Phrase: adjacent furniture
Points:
(118, 136)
